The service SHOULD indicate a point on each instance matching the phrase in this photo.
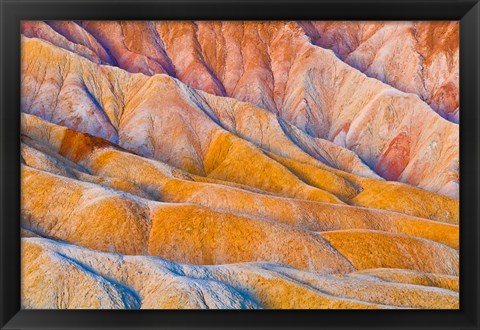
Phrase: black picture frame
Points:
(13, 11)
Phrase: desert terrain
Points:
(207, 165)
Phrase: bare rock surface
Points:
(59, 275)
(415, 57)
(387, 134)
(231, 165)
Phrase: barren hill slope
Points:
(239, 165)
(152, 208)
(415, 57)
(389, 134)
(101, 280)
(225, 58)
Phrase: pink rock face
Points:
(395, 158)
(275, 67)
(138, 55)
(415, 57)
(219, 57)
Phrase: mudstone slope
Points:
(239, 165)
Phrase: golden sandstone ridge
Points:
(239, 165)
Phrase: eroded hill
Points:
(237, 165)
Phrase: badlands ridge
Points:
(239, 165)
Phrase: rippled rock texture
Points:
(240, 165)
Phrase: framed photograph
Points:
(239, 164)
